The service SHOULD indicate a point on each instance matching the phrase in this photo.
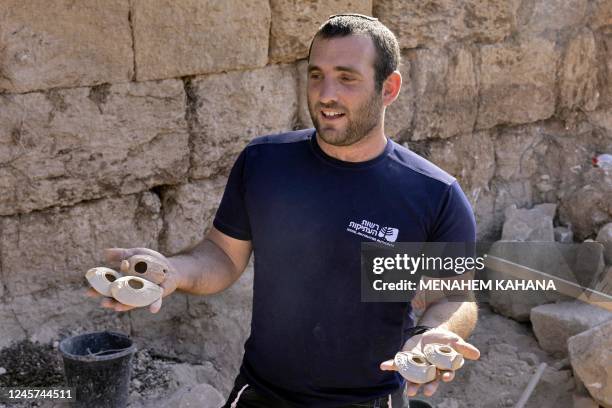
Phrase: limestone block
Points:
(555, 323)
(588, 205)
(578, 84)
(304, 119)
(541, 17)
(605, 237)
(469, 157)
(192, 37)
(59, 43)
(294, 23)
(534, 224)
(601, 15)
(583, 401)
(199, 395)
(398, 115)
(591, 357)
(518, 152)
(234, 108)
(77, 144)
(189, 210)
(446, 95)
(419, 23)
(56, 312)
(517, 82)
(564, 235)
(55, 247)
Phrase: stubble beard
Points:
(360, 122)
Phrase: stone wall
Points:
(120, 119)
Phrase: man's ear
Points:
(391, 87)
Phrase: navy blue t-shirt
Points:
(313, 342)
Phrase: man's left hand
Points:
(418, 342)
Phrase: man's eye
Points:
(314, 75)
(347, 79)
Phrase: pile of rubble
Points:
(564, 327)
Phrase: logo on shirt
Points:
(373, 231)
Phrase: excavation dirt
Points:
(510, 355)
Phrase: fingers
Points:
(388, 365)
(116, 255)
(109, 303)
(412, 389)
(447, 376)
(155, 306)
(92, 293)
(467, 350)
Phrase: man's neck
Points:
(365, 149)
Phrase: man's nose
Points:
(328, 92)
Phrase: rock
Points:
(189, 210)
(86, 143)
(605, 238)
(234, 108)
(445, 84)
(602, 14)
(551, 16)
(563, 364)
(534, 224)
(55, 247)
(517, 153)
(588, 204)
(579, 73)
(553, 324)
(196, 396)
(295, 23)
(2, 370)
(425, 24)
(591, 356)
(517, 83)
(564, 235)
(578, 264)
(398, 115)
(304, 119)
(192, 37)
(583, 401)
(91, 45)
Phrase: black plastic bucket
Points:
(98, 365)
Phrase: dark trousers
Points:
(244, 395)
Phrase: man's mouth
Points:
(331, 114)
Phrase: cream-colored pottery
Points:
(414, 367)
(443, 356)
(146, 267)
(135, 291)
(101, 278)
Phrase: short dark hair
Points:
(387, 57)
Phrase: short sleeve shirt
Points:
(313, 342)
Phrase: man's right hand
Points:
(114, 256)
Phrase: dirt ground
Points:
(509, 357)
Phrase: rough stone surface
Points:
(546, 17)
(517, 82)
(189, 210)
(583, 401)
(294, 23)
(60, 43)
(601, 15)
(474, 174)
(555, 323)
(579, 74)
(579, 264)
(192, 37)
(55, 247)
(232, 109)
(419, 23)
(564, 235)
(445, 88)
(605, 237)
(62, 147)
(535, 224)
(588, 205)
(591, 357)
(304, 119)
(196, 396)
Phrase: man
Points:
(290, 199)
